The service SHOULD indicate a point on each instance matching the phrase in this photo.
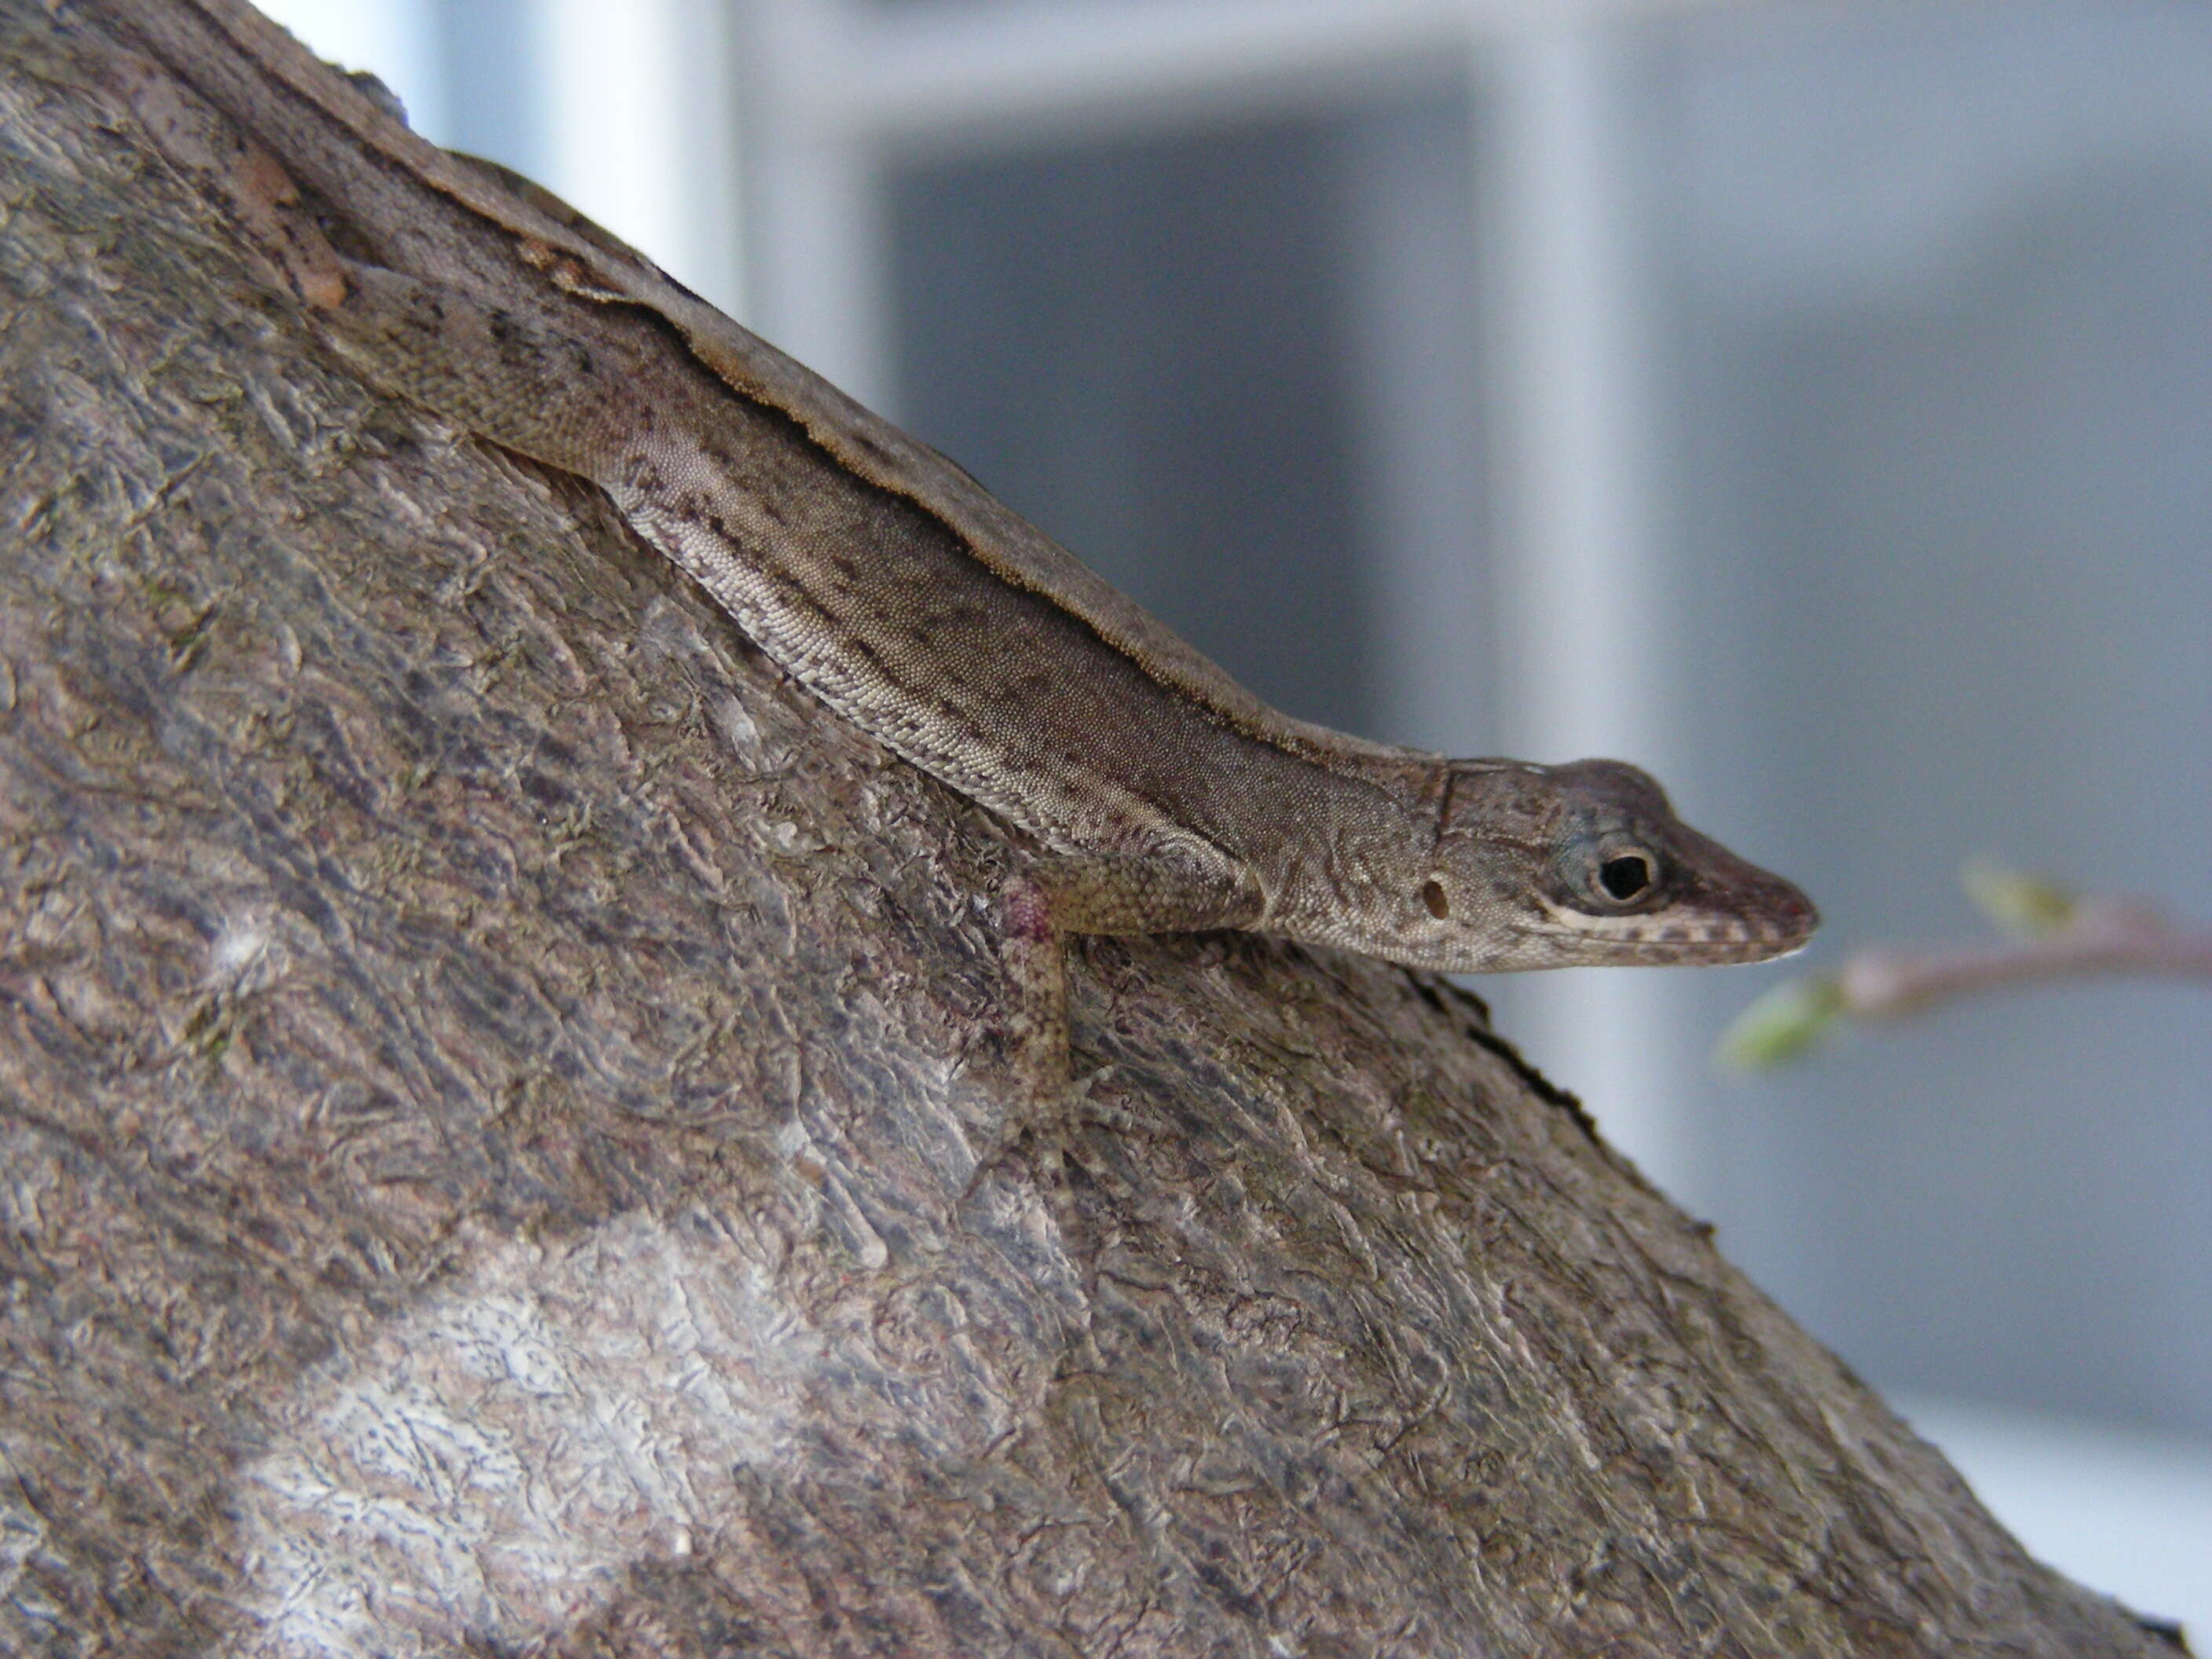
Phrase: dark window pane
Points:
(1142, 347)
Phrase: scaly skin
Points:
(1162, 796)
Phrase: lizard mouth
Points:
(1778, 921)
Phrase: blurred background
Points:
(1810, 401)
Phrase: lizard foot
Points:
(1041, 1121)
(1035, 1141)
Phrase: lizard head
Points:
(1586, 865)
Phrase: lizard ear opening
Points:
(1432, 895)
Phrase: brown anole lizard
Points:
(1159, 794)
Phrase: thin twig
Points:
(2102, 938)
(2056, 936)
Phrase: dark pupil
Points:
(1625, 877)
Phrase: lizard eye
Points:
(1625, 879)
(1613, 875)
(1432, 895)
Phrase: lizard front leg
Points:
(1038, 909)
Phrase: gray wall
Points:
(1941, 360)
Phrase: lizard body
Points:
(883, 578)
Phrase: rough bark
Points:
(489, 1071)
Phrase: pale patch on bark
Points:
(489, 1466)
